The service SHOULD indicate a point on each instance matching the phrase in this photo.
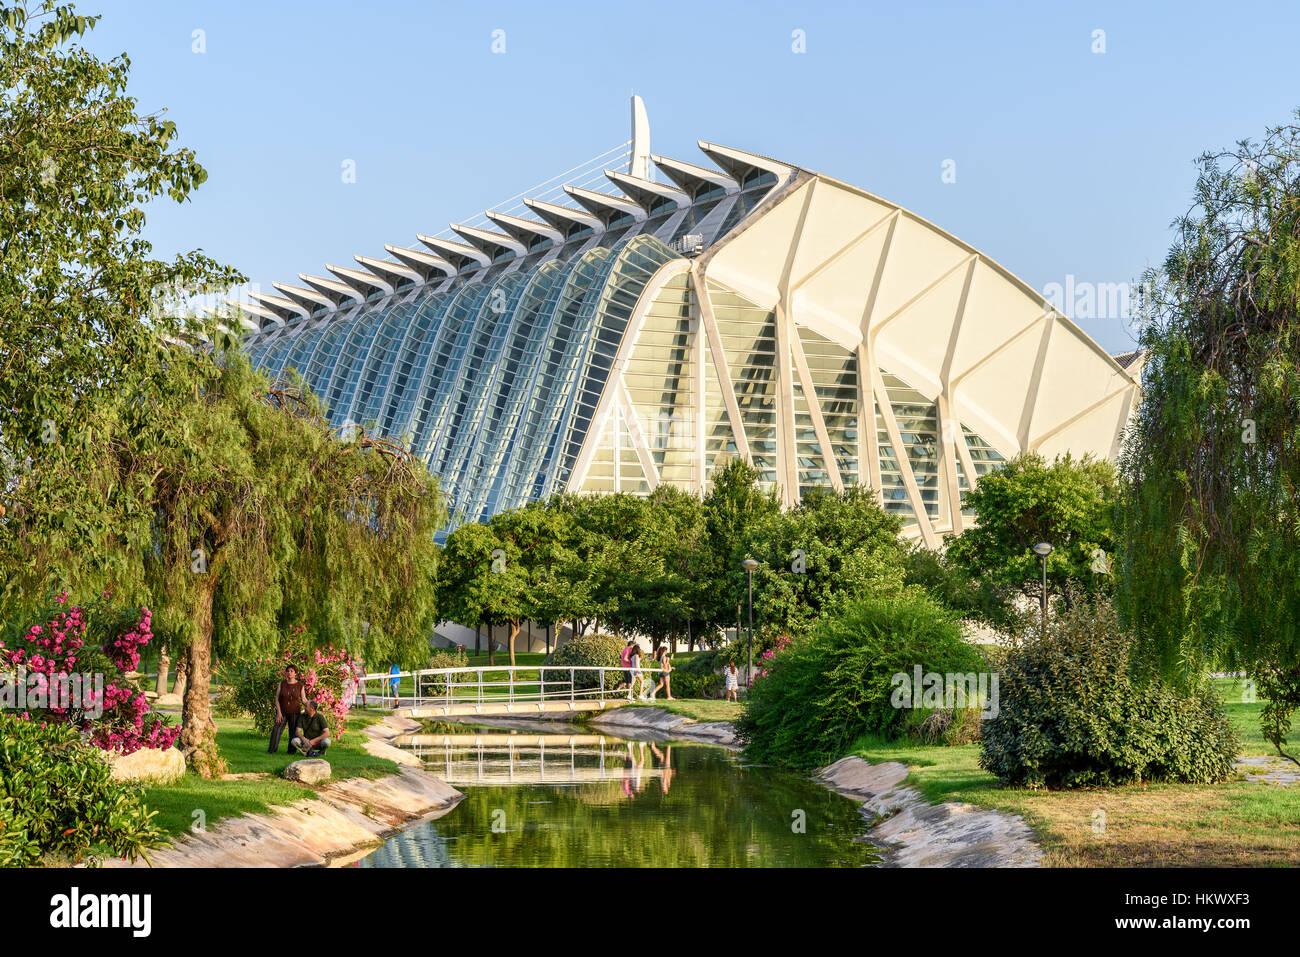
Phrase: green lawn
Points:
(701, 709)
(1169, 825)
(245, 752)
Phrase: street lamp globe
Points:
(1043, 549)
(749, 565)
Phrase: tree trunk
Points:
(514, 631)
(491, 658)
(164, 666)
(198, 739)
(182, 673)
(477, 647)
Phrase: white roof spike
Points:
(644, 192)
(604, 203)
(562, 217)
(363, 280)
(332, 289)
(739, 164)
(488, 241)
(524, 230)
(421, 262)
(691, 177)
(391, 272)
(456, 253)
(309, 299)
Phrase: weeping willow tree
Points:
(1209, 535)
(258, 516)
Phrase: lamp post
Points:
(749, 565)
(1042, 550)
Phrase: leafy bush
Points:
(442, 658)
(699, 676)
(588, 650)
(827, 689)
(1073, 714)
(59, 803)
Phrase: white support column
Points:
(700, 283)
(699, 397)
(904, 463)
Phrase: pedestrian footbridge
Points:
(493, 690)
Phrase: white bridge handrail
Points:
(522, 684)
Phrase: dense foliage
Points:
(836, 684)
(1072, 713)
(594, 650)
(1068, 503)
(58, 801)
(1210, 524)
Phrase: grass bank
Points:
(245, 752)
(1235, 824)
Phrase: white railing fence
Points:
(501, 684)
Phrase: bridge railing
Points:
(501, 684)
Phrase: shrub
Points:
(699, 676)
(57, 662)
(59, 802)
(442, 658)
(588, 650)
(826, 690)
(1072, 713)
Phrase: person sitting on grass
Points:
(313, 738)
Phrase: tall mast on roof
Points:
(638, 163)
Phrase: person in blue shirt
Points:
(396, 683)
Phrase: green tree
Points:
(85, 309)
(1210, 518)
(466, 579)
(733, 507)
(1068, 503)
(256, 516)
(829, 549)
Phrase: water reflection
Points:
(554, 798)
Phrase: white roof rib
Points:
(562, 217)
(525, 230)
(355, 277)
(456, 253)
(488, 241)
(602, 203)
(268, 315)
(390, 272)
(309, 299)
(644, 192)
(421, 262)
(332, 289)
(691, 177)
(738, 163)
(278, 306)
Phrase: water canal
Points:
(563, 796)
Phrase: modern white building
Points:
(616, 338)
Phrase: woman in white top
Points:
(634, 661)
(733, 680)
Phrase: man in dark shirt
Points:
(313, 736)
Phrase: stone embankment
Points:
(663, 723)
(912, 832)
(343, 821)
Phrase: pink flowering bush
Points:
(768, 656)
(329, 675)
(98, 641)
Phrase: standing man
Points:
(313, 740)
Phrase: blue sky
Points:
(1068, 162)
